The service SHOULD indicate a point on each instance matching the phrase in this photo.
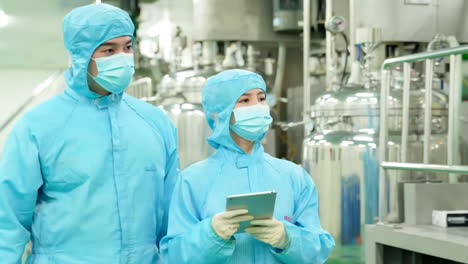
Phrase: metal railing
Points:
(38, 91)
(454, 110)
(141, 88)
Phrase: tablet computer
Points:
(261, 205)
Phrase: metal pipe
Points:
(425, 55)
(457, 111)
(424, 167)
(385, 87)
(352, 31)
(428, 111)
(306, 77)
(406, 103)
(454, 102)
(280, 69)
(451, 116)
(329, 49)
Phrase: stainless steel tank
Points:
(341, 155)
(180, 95)
(239, 20)
(192, 131)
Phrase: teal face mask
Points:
(115, 72)
(251, 121)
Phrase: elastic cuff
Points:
(288, 229)
(208, 229)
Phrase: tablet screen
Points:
(260, 205)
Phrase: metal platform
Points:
(445, 243)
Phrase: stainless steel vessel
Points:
(192, 131)
(341, 155)
(253, 17)
(180, 98)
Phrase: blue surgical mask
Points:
(115, 72)
(251, 121)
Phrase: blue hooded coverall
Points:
(88, 178)
(203, 187)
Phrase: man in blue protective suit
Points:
(200, 231)
(87, 175)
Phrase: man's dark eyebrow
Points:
(108, 44)
(113, 44)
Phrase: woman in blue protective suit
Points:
(200, 231)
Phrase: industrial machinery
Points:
(342, 153)
(180, 97)
(414, 239)
(330, 120)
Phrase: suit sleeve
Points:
(172, 173)
(191, 239)
(308, 242)
(20, 180)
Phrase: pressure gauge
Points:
(336, 24)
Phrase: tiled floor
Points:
(349, 254)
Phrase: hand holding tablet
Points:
(259, 205)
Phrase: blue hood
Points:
(220, 95)
(86, 28)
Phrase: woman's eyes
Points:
(110, 51)
(262, 99)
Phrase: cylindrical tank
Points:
(192, 131)
(180, 95)
(341, 155)
(222, 20)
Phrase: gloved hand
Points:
(270, 231)
(225, 224)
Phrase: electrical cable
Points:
(346, 58)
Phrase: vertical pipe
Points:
(428, 110)
(352, 31)
(280, 69)
(329, 48)
(406, 103)
(306, 77)
(454, 111)
(385, 87)
(457, 106)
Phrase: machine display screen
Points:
(290, 4)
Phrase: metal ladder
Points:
(453, 124)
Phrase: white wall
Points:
(31, 48)
(16, 86)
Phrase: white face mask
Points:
(115, 72)
(251, 121)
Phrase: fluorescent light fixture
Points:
(4, 19)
